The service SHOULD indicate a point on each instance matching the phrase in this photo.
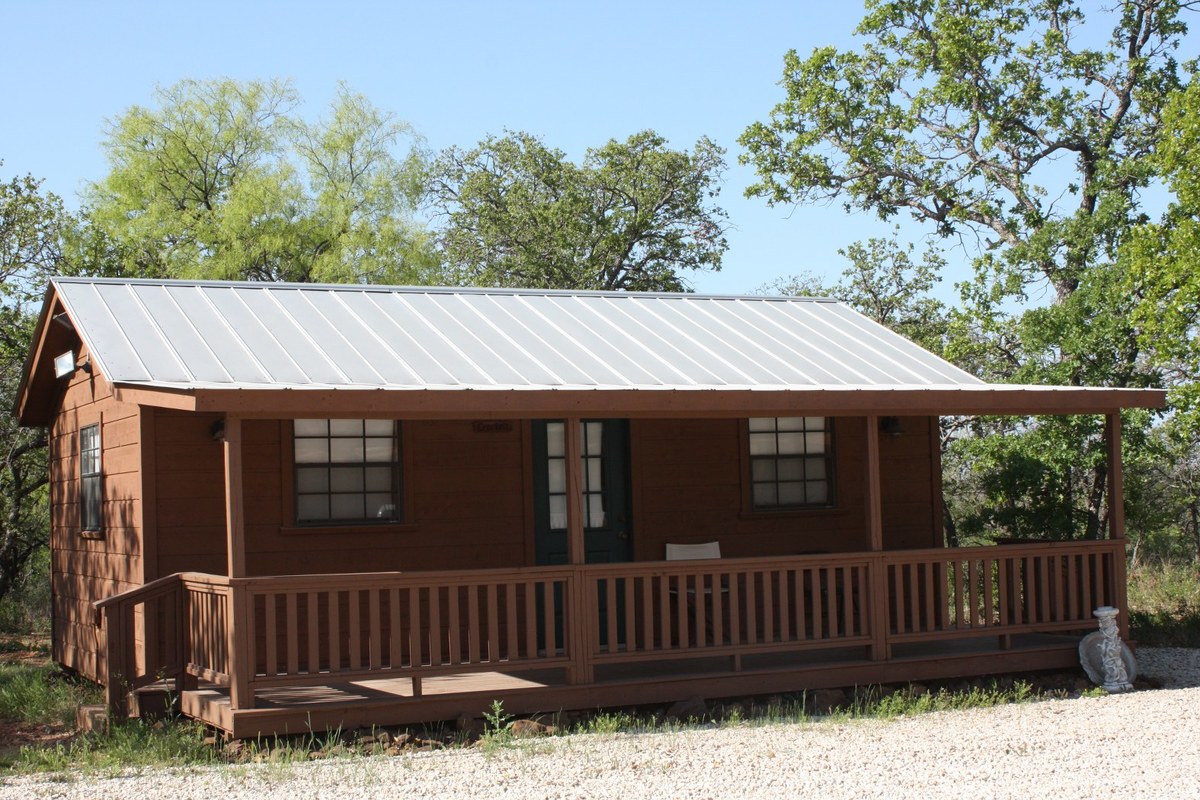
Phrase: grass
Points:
(1164, 604)
(41, 695)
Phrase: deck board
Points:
(390, 701)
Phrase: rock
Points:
(233, 748)
(528, 728)
(825, 701)
(469, 726)
(692, 708)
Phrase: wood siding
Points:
(689, 479)
(465, 498)
(87, 567)
(468, 497)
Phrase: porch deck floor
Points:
(391, 701)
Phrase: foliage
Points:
(41, 695)
(886, 284)
(997, 124)
(634, 215)
(1164, 604)
(1163, 256)
(32, 228)
(223, 180)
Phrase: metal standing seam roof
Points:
(218, 335)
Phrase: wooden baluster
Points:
(1085, 574)
(681, 610)
(768, 606)
(816, 595)
(630, 614)
(531, 620)
(335, 632)
(899, 573)
(735, 608)
(395, 626)
(270, 633)
(375, 632)
(293, 645)
(436, 634)
(848, 601)
(610, 599)
(720, 596)
(1072, 564)
(550, 621)
(354, 623)
(973, 592)
(989, 587)
(314, 633)
(751, 607)
(646, 643)
(493, 631)
(1044, 587)
(664, 611)
(799, 605)
(510, 621)
(831, 602)
(453, 615)
(416, 655)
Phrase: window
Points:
(347, 470)
(90, 490)
(791, 462)
(591, 456)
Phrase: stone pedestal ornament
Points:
(1105, 658)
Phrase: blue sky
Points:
(576, 74)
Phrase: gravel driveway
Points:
(1144, 744)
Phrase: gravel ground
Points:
(1143, 744)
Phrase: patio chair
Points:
(692, 552)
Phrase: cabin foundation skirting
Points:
(286, 654)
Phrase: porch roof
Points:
(238, 346)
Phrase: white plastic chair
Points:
(693, 552)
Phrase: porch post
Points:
(235, 518)
(1116, 516)
(580, 615)
(1116, 477)
(880, 650)
(874, 504)
(575, 546)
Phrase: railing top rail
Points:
(1031, 547)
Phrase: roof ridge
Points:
(418, 289)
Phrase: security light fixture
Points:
(64, 365)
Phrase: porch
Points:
(288, 654)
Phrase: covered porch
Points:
(286, 654)
(260, 654)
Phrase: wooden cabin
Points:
(311, 506)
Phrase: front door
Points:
(604, 456)
(604, 459)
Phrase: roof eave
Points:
(644, 402)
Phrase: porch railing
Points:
(261, 632)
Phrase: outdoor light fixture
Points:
(64, 365)
(890, 426)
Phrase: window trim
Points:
(86, 514)
(746, 479)
(290, 496)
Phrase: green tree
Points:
(32, 225)
(1164, 262)
(997, 124)
(633, 215)
(223, 180)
